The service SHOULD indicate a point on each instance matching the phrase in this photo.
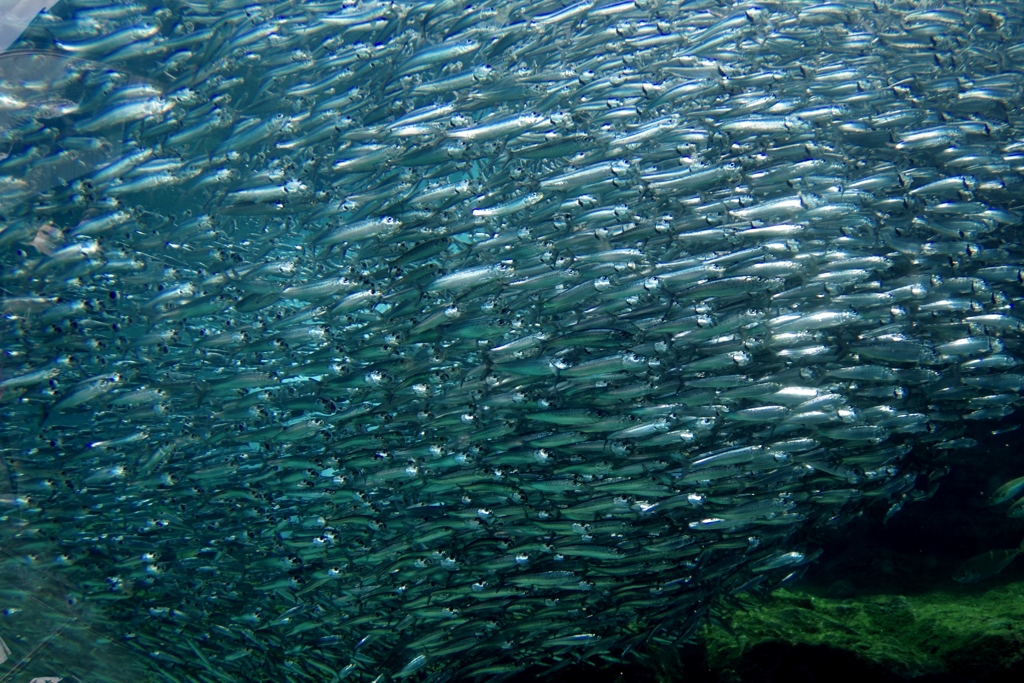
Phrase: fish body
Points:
(985, 566)
(1010, 489)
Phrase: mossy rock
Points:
(967, 631)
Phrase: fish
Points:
(405, 340)
(986, 565)
(1010, 489)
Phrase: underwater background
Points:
(443, 341)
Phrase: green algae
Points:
(972, 632)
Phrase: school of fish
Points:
(432, 340)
